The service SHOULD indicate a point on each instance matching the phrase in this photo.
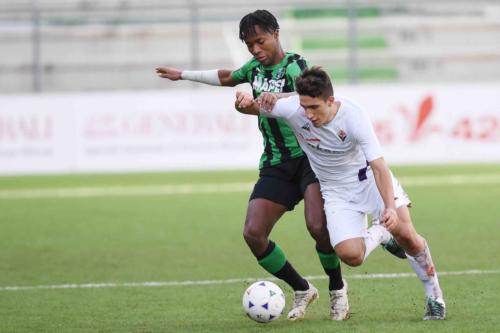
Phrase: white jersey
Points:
(338, 151)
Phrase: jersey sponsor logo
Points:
(263, 84)
(325, 150)
(307, 136)
(309, 139)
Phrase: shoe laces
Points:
(300, 298)
(335, 296)
(434, 308)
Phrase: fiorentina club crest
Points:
(342, 135)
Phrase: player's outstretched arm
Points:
(245, 103)
(214, 77)
(383, 179)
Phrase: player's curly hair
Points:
(314, 82)
(261, 17)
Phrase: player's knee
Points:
(410, 241)
(317, 229)
(253, 234)
(351, 258)
(353, 261)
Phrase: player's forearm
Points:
(214, 77)
(253, 109)
(285, 95)
(383, 180)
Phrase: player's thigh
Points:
(351, 250)
(401, 200)
(314, 208)
(344, 223)
(272, 196)
(347, 229)
(405, 228)
(405, 232)
(311, 191)
(262, 215)
(276, 184)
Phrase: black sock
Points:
(290, 276)
(331, 266)
(335, 276)
(274, 261)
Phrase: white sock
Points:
(424, 268)
(376, 234)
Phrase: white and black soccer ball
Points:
(263, 301)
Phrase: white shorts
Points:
(347, 219)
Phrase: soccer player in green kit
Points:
(285, 176)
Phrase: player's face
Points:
(317, 110)
(264, 46)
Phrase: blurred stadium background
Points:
(81, 240)
(79, 93)
(74, 45)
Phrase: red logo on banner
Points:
(419, 123)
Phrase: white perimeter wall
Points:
(199, 129)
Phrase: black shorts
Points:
(284, 183)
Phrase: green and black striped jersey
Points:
(280, 143)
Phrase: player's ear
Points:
(330, 100)
(276, 34)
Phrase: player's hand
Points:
(170, 73)
(267, 101)
(243, 100)
(390, 219)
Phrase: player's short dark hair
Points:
(261, 17)
(314, 82)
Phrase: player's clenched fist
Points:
(243, 100)
(267, 101)
(390, 219)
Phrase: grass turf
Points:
(51, 241)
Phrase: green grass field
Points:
(78, 237)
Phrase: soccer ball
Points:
(263, 301)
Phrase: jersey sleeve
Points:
(365, 135)
(241, 75)
(284, 108)
(295, 69)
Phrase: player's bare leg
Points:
(420, 259)
(316, 225)
(315, 218)
(261, 217)
(351, 251)
(354, 251)
(262, 214)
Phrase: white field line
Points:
(152, 190)
(120, 191)
(231, 281)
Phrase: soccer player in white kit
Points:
(344, 152)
